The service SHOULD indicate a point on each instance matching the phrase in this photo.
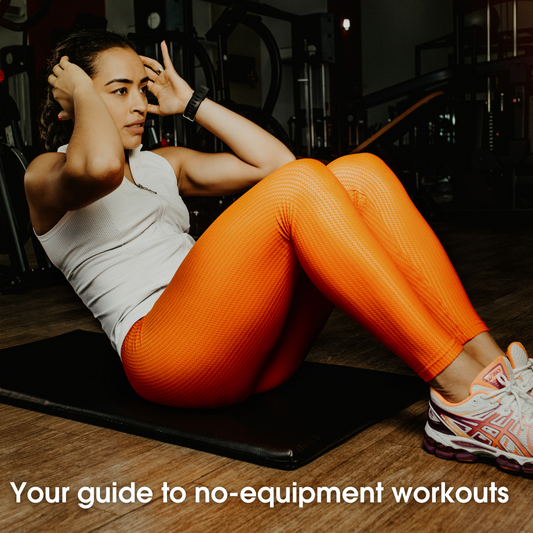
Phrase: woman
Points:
(207, 324)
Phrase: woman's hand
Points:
(66, 77)
(256, 153)
(172, 92)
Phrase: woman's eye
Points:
(144, 89)
(122, 91)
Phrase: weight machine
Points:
(14, 215)
(468, 152)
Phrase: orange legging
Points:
(240, 314)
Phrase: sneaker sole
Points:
(463, 456)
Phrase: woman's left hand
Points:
(171, 90)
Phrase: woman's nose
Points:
(139, 103)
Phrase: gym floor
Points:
(496, 265)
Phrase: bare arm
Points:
(257, 153)
(56, 183)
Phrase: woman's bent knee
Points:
(367, 174)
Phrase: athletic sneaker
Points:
(495, 421)
(522, 366)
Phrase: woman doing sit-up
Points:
(208, 323)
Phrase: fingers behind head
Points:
(63, 62)
(63, 115)
(57, 70)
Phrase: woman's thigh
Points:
(223, 319)
(216, 334)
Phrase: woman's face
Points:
(122, 83)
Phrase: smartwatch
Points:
(194, 103)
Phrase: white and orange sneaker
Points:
(495, 421)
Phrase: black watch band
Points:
(194, 103)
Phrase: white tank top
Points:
(120, 252)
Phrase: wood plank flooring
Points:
(496, 266)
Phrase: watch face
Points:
(153, 20)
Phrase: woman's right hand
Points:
(65, 78)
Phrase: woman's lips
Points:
(136, 127)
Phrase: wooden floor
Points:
(496, 266)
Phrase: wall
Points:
(120, 16)
(390, 32)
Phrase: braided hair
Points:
(82, 49)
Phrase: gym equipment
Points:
(184, 50)
(15, 226)
(17, 63)
(469, 152)
(221, 31)
(391, 126)
(315, 54)
(42, 10)
(79, 376)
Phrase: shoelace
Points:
(527, 384)
(514, 392)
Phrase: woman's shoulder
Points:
(174, 155)
(36, 184)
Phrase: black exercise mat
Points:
(79, 376)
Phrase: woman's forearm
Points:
(257, 153)
(248, 141)
(95, 148)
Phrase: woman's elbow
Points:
(110, 169)
(280, 160)
(106, 170)
(287, 158)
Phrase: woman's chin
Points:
(131, 144)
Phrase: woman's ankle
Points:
(483, 348)
(454, 382)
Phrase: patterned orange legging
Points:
(250, 298)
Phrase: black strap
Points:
(194, 103)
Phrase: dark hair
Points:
(82, 49)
